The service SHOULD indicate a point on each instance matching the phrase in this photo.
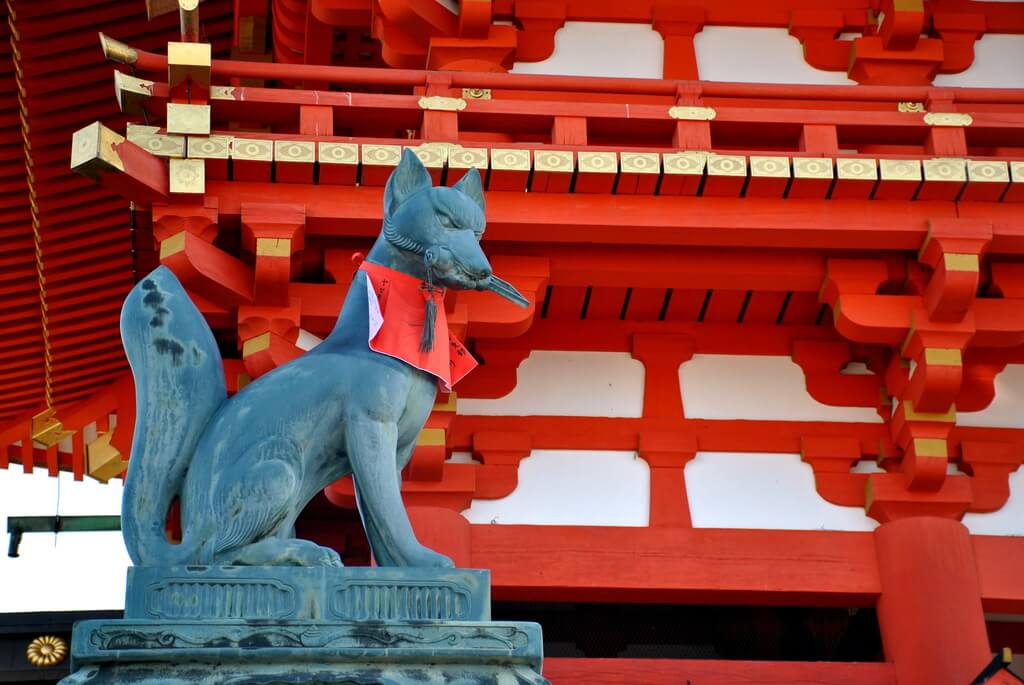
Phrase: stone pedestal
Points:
(242, 625)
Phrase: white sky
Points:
(70, 571)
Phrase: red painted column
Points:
(929, 611)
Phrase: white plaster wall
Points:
(756, 55)
(1007, 521)
(998, 63)
(764, 491)
(552, 383)
(1007, 407)
(69, 571)
(573, 488)
(752, 387)
(588, 48)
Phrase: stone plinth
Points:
(275, 625)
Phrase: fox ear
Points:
(470, 185)
(409, 177)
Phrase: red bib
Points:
(396, 303)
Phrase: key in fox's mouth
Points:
(505, 289)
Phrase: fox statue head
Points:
(434, 233)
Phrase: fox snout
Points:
(459, 269)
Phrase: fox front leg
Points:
(371, 445)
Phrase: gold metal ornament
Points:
(47, 650)
(948, 119)
(910, 107)
(476, 93)
(692, 113)
(442, 104)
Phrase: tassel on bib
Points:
(429, 313)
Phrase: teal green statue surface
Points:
(244, 467)
(240, 601)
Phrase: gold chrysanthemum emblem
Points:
(47, 650)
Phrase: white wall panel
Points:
(726, 386)
(1007, 408)
(588, 48)
(1007, 521)
(998, 63)
(573, 488)
(69, 571)
(552, 383)
(756, 55)
(752, 490)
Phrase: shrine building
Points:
(763, 420)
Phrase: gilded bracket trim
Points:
(440, 103)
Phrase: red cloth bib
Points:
(397, 303)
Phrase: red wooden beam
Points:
(680, 565)
(639, 220)
(225, 69)
(710, 566)
(712, 672)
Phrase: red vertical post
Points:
(929, 611)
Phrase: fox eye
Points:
(445, 221)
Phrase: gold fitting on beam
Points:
(273, 247)
(988, 172)
(687, 163)
(187, 176)
(222, 92)
(558, 161)
(598, 162)
(910, 107)
(812, 167)
(467, 158)
(431, 155)
(92, 151)
(945, 169)
(949, 416)
(431, 437)
(769, 167)
(727, 165)
(47, 428)
(640, 162)
(103, 459)
(338, 153)
(173, 245)
(131, 92)
(957, 261)
(381, 155)
(943, 356)
(856, 168)
(192, 120)
(157, 144)
(209, 147)
(258, 344)
(294, 151)
(46, 651)
(930, 447)
(510, 160)
(692, 113)
(440, 103)
(189, 61)
(252, 149)
(476, 93)
(900, 169)
(116, 51)
(948, 119)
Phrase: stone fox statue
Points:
(245, 467)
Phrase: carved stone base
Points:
(270, 626)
